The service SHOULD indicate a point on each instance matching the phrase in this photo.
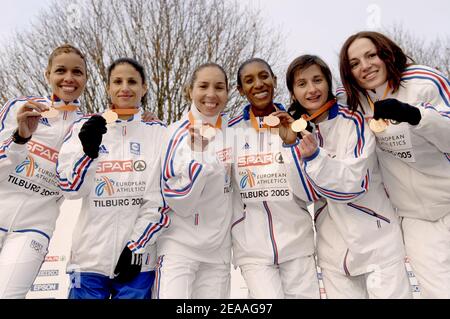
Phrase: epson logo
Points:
(45, 287)
(48, 273)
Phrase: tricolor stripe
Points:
(340, 91)
(152, 229)
(358, 119)
(369, 212)
(442, 84)
(7, 107)
(157, 283)
(154, 122)
(429, 106)
(4, 147)
(338, 196)
(194, 170)
(235, 120)
(345, 263)
(239, 220)
(271, 233)
(317, 213)
(79, 172)
(174, 142)
(366, 180)
(319, 136)
(309, 189)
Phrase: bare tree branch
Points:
(169, 37)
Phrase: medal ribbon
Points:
(64, 107)
(320, 111)
(217, 126)
(386, 91)
(254, 122)
(125, 111)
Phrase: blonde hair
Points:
(65, 48)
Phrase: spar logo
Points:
(28, 167)
(105, 185)
(42, 151)
(121, 166)
(248, 178)
(115, 166)
(255, 160)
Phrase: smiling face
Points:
(209, 91)
(126, 87)
(310, 88)
(258, 85)
(67, 76)
(367, 68)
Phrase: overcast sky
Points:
(308, 26)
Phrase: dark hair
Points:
(65, 48)
(387, 50)
(249, 61)
(193, 78)
(136, 65)
(300, 63)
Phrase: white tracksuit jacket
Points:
(29, 192)
(357, 228)
(113, 187)
(197, 188)
(415, 160)
(274, 225)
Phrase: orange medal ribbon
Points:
(386, 91)
(254, 122)
(218, 122)
(127, 111)
(65, 107)
(320, 111)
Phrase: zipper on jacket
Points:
(271, 233)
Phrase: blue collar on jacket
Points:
(246, 110)
(332, 113)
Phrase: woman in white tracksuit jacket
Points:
(272, 230)
(413, 150)
(359, 242)
(29, 192)
(113, 247)
(194, 253)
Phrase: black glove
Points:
(392, 109)
(91, 135)
(128, 266)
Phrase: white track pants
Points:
(428, 249)
(21, 257)
(178, 277)
(294, 279)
